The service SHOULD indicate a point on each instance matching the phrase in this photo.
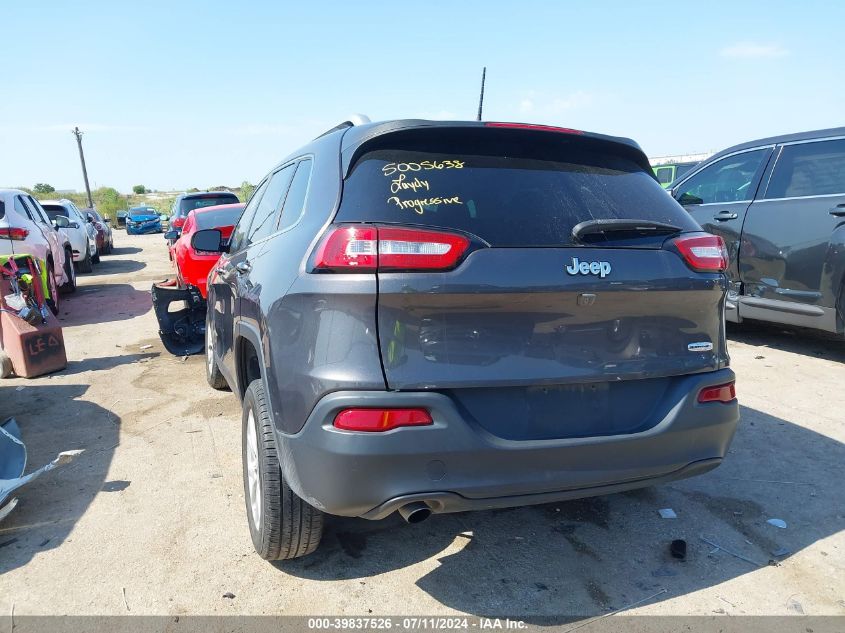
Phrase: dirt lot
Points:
(155, 504)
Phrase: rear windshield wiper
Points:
(593, 231)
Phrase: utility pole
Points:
(481, 98)
(78, 136)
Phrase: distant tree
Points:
(43, 187)
(108, 200)
(246, 190)
(193, 190)
(139, 189)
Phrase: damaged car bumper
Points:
(13, 465)
(181, 318)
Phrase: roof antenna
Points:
(481, 98)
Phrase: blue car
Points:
(143, 220)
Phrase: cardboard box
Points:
(35, 350)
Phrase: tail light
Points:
(364, 248)
(98, 226)
(12, 233)
(720, 393)
(379, 420)
(177, 223)
(530, 126)
(704, 253)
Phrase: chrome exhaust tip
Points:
(415, 512)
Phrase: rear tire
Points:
(70, 273)
(53, 301)
(212, 373)
(282, 525)
(96, 257)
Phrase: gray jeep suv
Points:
(444, 316)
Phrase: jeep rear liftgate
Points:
(543, 280)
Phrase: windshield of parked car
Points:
(218, 217)
(141, 212)
(189, 204)
(506, 190)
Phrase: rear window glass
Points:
(507, 194)
(217, 218)
(55, 210)
(189, 204)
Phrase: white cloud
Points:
(539, 103)
(579, 99)
(752, 50)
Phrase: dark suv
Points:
(444, 316)
(779, 204)
(187, 202)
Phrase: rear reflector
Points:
(704, 253)
(719, 393)
(12, 233)
(363, 248)
(541, 128)
(378, 420)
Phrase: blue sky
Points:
(195, 94)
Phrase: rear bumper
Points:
(454, 465)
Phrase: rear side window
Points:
(508, 192)
(238, 239)
(295, 200)
(23, 209)
(2, 209)
(664, 175)
(266, 216)
(809, 169)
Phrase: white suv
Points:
(25, 228)
(80, 232)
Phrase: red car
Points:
(182, 330)
(192, 266)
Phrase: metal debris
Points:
(732, 553)
(13, 464)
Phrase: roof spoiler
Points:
(352, 121)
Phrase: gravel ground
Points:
(151, 519)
